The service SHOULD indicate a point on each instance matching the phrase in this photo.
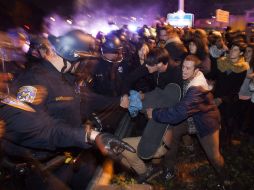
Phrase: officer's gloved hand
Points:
(107, 143)
(111, 145)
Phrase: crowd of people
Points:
(70, 92)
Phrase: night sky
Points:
(19, 12)
(201, 8)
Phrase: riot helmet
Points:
(74, 45)
(112, 46)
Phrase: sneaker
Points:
(168, 174)
(227, 184)
(189, 148)
(151, 173)
(220, 187)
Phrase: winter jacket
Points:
(197, 103)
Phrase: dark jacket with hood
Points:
(197, 103)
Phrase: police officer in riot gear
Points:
(110, 70)
(57, 122)
(130, 54)
(112, 45)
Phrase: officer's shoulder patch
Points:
(27, 94)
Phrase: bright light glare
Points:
(105, 29)
(69, 21)
(133, 18)
(132, 28)
(53, 19)
(114, 27)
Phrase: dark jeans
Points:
(242, 115)
(228, 122)
(250, 130)
(210, 144)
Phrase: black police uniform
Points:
(37, 133)
(35, 136)
(108, 77)
(64, 100)
(61, 101)
(57, 122)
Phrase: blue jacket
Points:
(197, 103)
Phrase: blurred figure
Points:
(160, 67)
(49, 87)
(110, 70)
(229, 79)
(33, 55)
(199, 47)
(217, 49)
(16, 60)
(144, 46)
(197, 114)
(158, 62)
(172, 42)
(246, 100)
(217, 45)
(151, 43)
(4, 78)
(187, 36)
(200, 33)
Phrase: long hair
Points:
(202, 47)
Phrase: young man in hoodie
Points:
(197, 114)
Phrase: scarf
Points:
(225, 64)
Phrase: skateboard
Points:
(153, 134)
